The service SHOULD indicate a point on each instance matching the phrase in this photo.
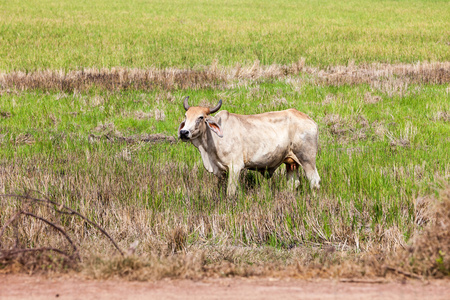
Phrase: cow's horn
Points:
(216, 108)
(185, 103)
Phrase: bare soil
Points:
(39, 287)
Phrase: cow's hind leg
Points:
(292, 175)
(311, 173)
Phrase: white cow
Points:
(230, 142)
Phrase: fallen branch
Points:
(42, 249)
(407, 274)
(59, 208)
(75, 250)
(8, 252)
(355, 280)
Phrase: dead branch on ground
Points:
(57, 208)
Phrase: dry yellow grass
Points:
(384, 77)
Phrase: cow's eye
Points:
(201, 118)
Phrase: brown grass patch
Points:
(5, 114)
(405, 137)
(23, 139)
(344, 130)
(443, 116)
(371, 99)
(387, 78)
(157, 114)
(429, 252)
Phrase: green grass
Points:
(69, 35)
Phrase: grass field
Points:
(67, 35)
(103, 141)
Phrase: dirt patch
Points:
(20, 287)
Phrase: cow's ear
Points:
(214, 127)
(181, 126)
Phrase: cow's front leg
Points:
(233, 181)
(222, 183)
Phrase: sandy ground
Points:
(37, 287)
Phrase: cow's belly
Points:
(265, 159)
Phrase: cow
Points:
(229, 143)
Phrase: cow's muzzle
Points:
(184, 135)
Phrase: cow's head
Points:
(197, 121)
